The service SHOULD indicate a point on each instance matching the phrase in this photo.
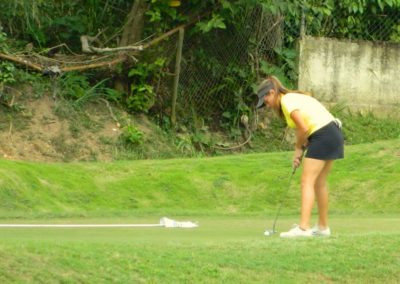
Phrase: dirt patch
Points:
(44, 129)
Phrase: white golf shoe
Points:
(321, 233)
(297, 232)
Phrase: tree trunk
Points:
(133, 27)
(131, 34)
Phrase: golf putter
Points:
(273, 231)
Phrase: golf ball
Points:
(267, 233)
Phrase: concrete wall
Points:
(362, 74)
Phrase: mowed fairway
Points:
(234, 200)
(221, 250)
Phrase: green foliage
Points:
(348, 18)
(231, 118)
(3, 41)
(113, 95)
(185, 145)
(49, 23)
(94, 91)
(395, 36)
(76, 87)
(216, 22)
(270, 69)
(287, 58)
(68, 27)
(201, 139)
(162, 16)
(353, 19)
(142, 96)
(73, 85)
(7, 77)
(131, 135)
(226, 85)
(7, 71)
(39, 83)
(196, 142)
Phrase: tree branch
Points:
(94, 65)
(87, 48)
(21, 61)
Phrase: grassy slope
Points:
(224, 249)
(366, 181)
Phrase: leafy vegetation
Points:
(37, 26)
(7, 69)
(145, 75)
(131, 135)
(7, 73)
(50, 23)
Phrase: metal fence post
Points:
(303, 23)
(177, 74)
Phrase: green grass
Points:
(366, 127)
(222, 250)
(366, 181)
(234, 199)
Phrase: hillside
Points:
(40, 127)
(366, 181)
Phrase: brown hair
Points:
(273, 83)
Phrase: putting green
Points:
(211, 229)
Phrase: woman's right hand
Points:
(298, 157)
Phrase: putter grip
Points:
(301, 159)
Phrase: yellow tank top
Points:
(312, 111)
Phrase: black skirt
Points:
(327, 143)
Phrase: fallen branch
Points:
(48, 50)
(87, 48)
(56, 69)
(120, 59)
(87, 40)
(21, 61)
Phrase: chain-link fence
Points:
(362, 22)
(219, 68)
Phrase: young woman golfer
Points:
(318, 132)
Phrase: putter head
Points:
(269, 233)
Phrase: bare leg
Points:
(321, 192)
(312, 168)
